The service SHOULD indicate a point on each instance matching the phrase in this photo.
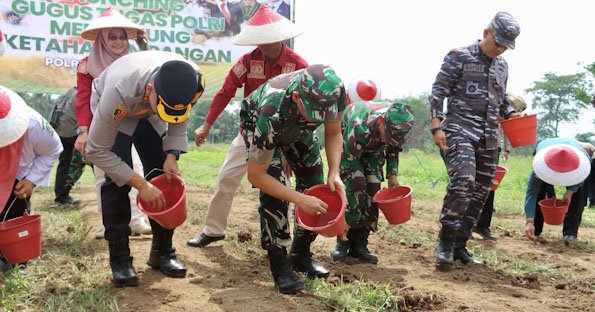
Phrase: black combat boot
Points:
(163, 255)
(460, 248)
(341, 248)
(445, 250)
(303, 260)
(123, 273)
(359, 245)
(286, 281)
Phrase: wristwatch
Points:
(173, 152)
(433, 130)
(80, 130)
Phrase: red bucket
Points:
(21, 238)
(553, 210)
(395, 203)
(174, 213)
(500, 172)
(521, 131)
(333, 222)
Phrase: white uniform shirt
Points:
(41, 149)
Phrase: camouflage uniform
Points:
(475, 87)
(77, 166)
(272, 126)
(364, 155)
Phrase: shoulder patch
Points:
(120, 112)
(82, 68)
(239, 69)
(45, 125)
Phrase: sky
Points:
(401, 44)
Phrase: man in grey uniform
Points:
(473, 78)
(142, 98)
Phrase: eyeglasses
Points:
(114, 38)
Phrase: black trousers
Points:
(62, 187)
(485, 219)
(573, 217)
(114, 199)
(590, 186)
(18, 207)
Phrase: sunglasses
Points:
(114, 38)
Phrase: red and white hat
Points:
(363, 89)
(266, 26)
(561, 164)
(14, 116)
(110, 18)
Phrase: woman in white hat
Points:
(110, 34)
(28, 149)
(563, 162)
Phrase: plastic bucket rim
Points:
(168, 210)
(321, 228)
(30, 219)
(392, 200)
(528, 116)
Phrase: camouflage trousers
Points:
(362, 178)
(77, 166)
(471, 169)
(306, 162)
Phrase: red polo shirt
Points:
(251, 71)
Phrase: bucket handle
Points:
(10, 206)
(159, 169)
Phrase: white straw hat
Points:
(14, 116)
(111, 19)
(561, 164)
(266, 26)
(363, 89)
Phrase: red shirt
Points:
(82, 105)
(251, 71)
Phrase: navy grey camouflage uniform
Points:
(475, 86)
(272, 126)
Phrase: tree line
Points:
(556, 99)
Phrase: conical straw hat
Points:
(14, 116)
(561, 164)
(266, 26)
(111, 19)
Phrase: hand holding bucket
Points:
(521, 131)
(174, 212)
(330, 224)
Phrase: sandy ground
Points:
(234, 276)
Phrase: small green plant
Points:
(355, 296)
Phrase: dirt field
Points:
(234, 276)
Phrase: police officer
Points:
(474, 80)
(373, 132)
(279, 118)
(142, 98)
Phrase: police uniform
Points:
(123, 116)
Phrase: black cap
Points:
(178, 86)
